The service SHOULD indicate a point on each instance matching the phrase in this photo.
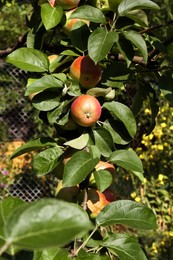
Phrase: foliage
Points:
(120, 42)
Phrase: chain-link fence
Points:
(18, 121)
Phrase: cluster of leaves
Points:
(116, 39)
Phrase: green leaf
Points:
(51, 16)
(29, 59)
(103, 179)
(127, 213)
(104, 141)
(139, 17)
(55, 114)
(138, 41)
(79, 142)
(6, 207)
(128, 5)
(52, 254)
(47, 160)
(100, 42)
(39, 143)
(126, 49)
(89, 13)
(118, 131)
(46, 101)
(124, 114)
(45, 223)
(77, 168)
(46, 82)
(124, 246)
(128, 160)
(79, 35)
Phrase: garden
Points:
(86, 165)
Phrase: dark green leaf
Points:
(46, 82)
(51, 16)
(29, 59)
(46, 223)
(103, 179)
(89, 13)
(100, 42)
(52, 254)
(78, 167)
(46, 100)
(125, 246)
(104, 141)
(128, 5)
(126, 49)
(137, 40)
(39, 143)
(47, 160)
(79, 35)
(128, 160)
(124, 114)
(128, 213)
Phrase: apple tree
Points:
(82, 57)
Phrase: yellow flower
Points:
(163, 125)
(133, 194)
(160, 147)
(171, 127)
(137, 199)
(147, 111)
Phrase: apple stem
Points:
(86, 241)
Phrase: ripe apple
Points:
(70, 22)
(86, 110)
(65, 4)
(86, 71)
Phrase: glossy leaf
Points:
(51, 16)
(137, 40)
(128, 5)
(6, 207)
(124, 114)
(46, 223)
(104, 141)
(52, 254)
(79, 142)
(29, 59)
(128, 160)
(100, 42)
(39, 143)
(46, 82)
(78, 167)
(89, 13)
(47, 160)
(103, 179)
(46, 101)
(124, 246)
(127, 213)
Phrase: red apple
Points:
(70, 22)
(65, 4)
(86, 110)
(86, 71)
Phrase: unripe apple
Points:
(65, 4)
(86, 71)
(86, 110)
(70, 22)
(106, 5)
